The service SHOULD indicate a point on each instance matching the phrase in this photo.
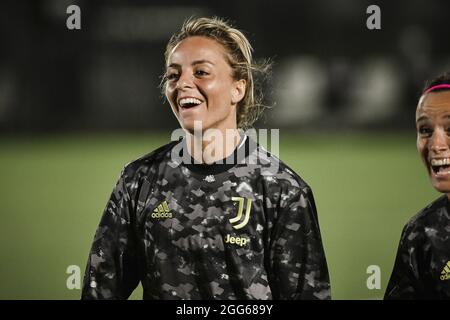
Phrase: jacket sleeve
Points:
(406, 280)
(111, 271)
(298, 268)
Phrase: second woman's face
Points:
(433, 137)
(200, 86)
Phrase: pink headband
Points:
(439, 86)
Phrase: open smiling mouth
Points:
(188, 103)
(440, 166)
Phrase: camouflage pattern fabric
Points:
(241, 233)
(422, 265)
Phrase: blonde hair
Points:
(239, 56)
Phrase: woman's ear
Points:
(238, 91)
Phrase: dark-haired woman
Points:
(422, 265)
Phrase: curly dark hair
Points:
(444, 78)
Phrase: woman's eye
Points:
(201, 73)
(425, 131)
(171, 76)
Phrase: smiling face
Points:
(200, 86)
(433, 137)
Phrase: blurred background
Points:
(76, 105)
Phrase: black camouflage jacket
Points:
(220, 231)
(422, 265)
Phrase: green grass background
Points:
(53, 190)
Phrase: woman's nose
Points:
(439, 141)
(184, 82)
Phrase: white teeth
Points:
(441, 173)
(185, 101)
(440, 162)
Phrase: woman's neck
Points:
(212, 145)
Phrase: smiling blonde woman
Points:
(216, 226)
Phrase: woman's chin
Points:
(443, 187)
(192, 124)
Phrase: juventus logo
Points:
(244, 222)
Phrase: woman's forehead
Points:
(435, 100)
(433, 104)
(196, 48)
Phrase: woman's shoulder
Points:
(155, 157)
(431, 219)
(275, 168)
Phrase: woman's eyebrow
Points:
(422, 118)
(196, 62)
(201, 62)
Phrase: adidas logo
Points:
(162, 211)
(445, 273)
